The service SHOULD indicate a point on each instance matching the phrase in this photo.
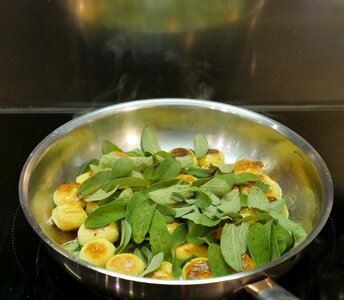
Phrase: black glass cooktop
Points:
(27, 271)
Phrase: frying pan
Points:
(239, 133)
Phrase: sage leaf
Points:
(185, 161)
(106, 214)
(125, 236)
(169, 168)
(230, 202)
(216, 186)
(179, 234)
(198, 172)
(99, 195)
(259, 243)
(281, 241)
(297, 230)
(177, 268)
(122, 167)
(94, 183)
(244, 177)
(233, 244)
(257, 199)
(181, 211)
(149, 141)
(72, 247)
(203, 200)
(141, 220)
(160, 239)
(216, 261)
(147, 253)
(263, 186)
(133, 202)
(108, 146)
(87, 167)
(226, 168)
(165, 196)
(198, 233)
(200, 145)
(154, 264)
(277, 205)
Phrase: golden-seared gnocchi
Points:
(274, 191)
(83, 177)
(248, 166)
(126, 263)
(187, 178)
(91, 206)
(67, 194)
(163, 272)
(197, 268)
(109, 232)
(212, 157)
(68, 218)
(247, 263)
(186, 250)
(97, 252)
(182, 152)
(172, 226)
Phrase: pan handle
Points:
(267, 289)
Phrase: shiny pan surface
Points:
(239, 133)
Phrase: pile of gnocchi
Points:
(176, 214)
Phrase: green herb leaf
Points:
(106, 214)
(200, 145)
(108, 147)
(259, 243)
(185, 161)
(226, 168)
(86, 167)
(177, 268)
(277, 206)
(263, 186)
(94, 183)
(233, 244)
(245, 177)
(125, 236)
(149, 141)
(198, 233)
(99, 195)
(165, 196)
(141, 220)
(160, 239)
(298, 232)
(230, 202)
(181, 211)
(203, 200)
(257, 199)
(154, 264)
(216, 261)
(281, 241)
(73, 247)
(169, 168)
(122, 167)
(216, 186)
(198, 172)
(179, 234)
(133, 202)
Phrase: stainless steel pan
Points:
(239, 133)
